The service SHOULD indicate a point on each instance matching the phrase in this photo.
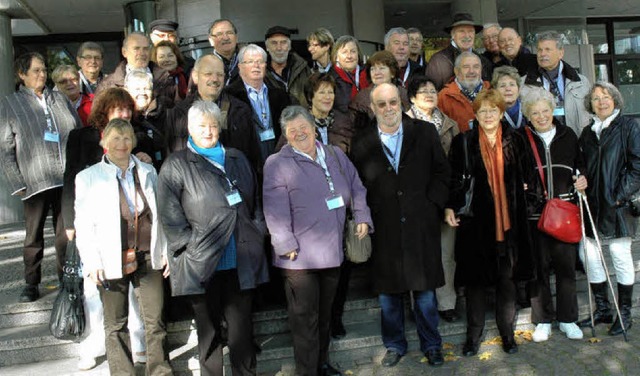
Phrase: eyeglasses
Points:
(490, 37)
(491, 111)
(91, 57)
(601, 99)
(228, 33)
(382, 104)
(427, 92)
(253, 62)
(65, 81)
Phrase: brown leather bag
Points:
(129, 261)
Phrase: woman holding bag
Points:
(554, 160)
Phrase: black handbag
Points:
(468, 181)
(67, 320)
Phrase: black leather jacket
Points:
(613, 173)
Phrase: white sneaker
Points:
(86, 363)
(542, 332)
(571, 330)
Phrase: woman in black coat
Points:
(493, 244)
(611, 147)
(210, 212)
(561, 160)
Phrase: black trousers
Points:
(310, 294)
(505, 304)
(552, 254)
(36, 209)
(223, 298)
(337, 309)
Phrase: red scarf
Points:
(182, 81)
(494, 163)
(350, 79)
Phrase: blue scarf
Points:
(514, 110)
(215, 153)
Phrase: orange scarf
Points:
(494, 163)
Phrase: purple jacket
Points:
(295, 191)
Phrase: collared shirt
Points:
(87, 87)
(318, 68)
(557, 87)
(128, 185)
(321, 160)
(129, 69)
(458, 48)
(392, 146)
(260, 103)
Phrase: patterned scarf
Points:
(494, 163)
(436, 116)
(470, 94)
(326, 122)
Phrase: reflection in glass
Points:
(627, 37)
(598, 38)
(602, 73)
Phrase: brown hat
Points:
(460, 19)
(163, 25)
(277, 30)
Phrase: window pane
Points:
(627, 37)
(628, 72)
(598, 37)
(602, 73)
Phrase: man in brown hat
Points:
(463, 32)
(163, 29)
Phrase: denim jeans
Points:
(426, 316)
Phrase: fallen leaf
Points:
(494, 341)
(348, 372)
(594, 340)
(424, 359)
(450, 357)
(485, 356)
(51, 287)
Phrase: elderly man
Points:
(223, 37)
(285, 68)
(320, 43)
(490, 33)
(455, 99)
(266, 101)
(396, 41)
(415, 46)
(513, 53)
(136, 48)
(90, 59)
(236, 130)
(567, 85)
(463, 32)
(405, 171)
(66, 79)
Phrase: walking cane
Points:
(584, 202)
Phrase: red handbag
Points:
(559, 219)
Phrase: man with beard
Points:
(463, 32)
(223, 37)
(236, 130)
(405, 171)
(136, 49)
(396, 41)
(285, 68)
(513, 53)
(455, 99)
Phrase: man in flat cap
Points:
(285, 68)
(463, 32)
(163, 29)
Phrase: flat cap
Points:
(277, 30)
(163, 25)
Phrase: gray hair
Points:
(535, 95)
(553, 36)
(138, 74)
(341, 42)
(490, 25)
(464, 55)
(505, 71)
(135, 33)
(394, 30)
(196, 65)
(291, 113)
(251, 48)
(93, 46)
(618, 102)
(200, 109)
(118, 125)
(62, 69)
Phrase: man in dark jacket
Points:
(396, 41)
(463, 32)
(285, 68)
(406, 174)
(236, 130)
(513, 53)
(223, 37)
(136, 49)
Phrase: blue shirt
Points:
(260, 103)
(392, 146)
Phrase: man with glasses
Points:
(415, 47)
(320, 43)
(90, 59)
(406, 173)
(513, 53)
(285, 68)
(223, 37)
(490, 33)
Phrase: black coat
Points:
(477, 250)
(613, 173)
(523, 62)
(198, 220)
(406, 208)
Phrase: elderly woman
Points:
(346, 70)
(168, 57)
(381, 68)
(493, 244)
(507, 81)
(611, 147)
(34, 126)
(66, 78)
(210, 211)
(561, 161)
(307, 189)
(121, 243)
(424, 106)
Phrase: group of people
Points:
(243, 166)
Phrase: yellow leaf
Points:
(424, 359)
(594, 340)
(485, 356)
(348, 372)
(447, 346)
(450, 357)
(51, 287)
(493, 341)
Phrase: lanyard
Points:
(51, 126)
(321, 160)
(406, 74)
(86, 84)
(392, 156)
(262, 105)
(514, 125)
(357, 78)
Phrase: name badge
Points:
(334, 202)
(51, 136)
(267, 135)
(233, 197)
(471, 124)
(559, 111)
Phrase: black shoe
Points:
(509, 346)
(602, 314)
(435, 357)
(337, 330)
(470, 348)
(449, 315)
(391, 358)
(328, 370)
(29, 294)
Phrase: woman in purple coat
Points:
(307, 189)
